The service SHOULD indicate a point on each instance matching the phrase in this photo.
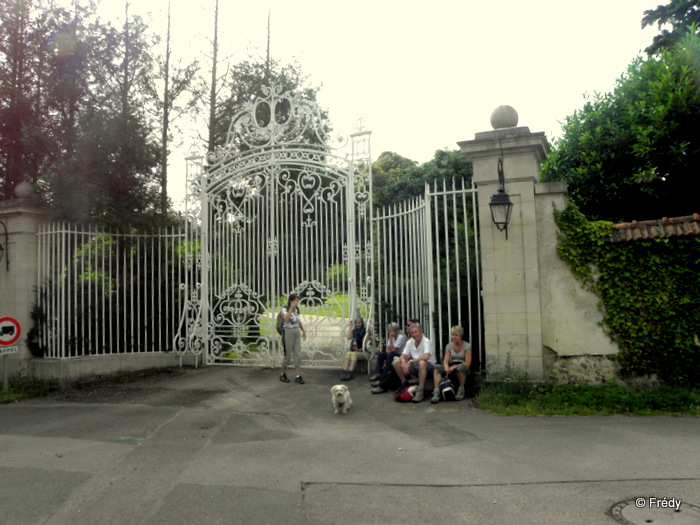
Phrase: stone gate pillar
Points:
(510, 270)
(18, 267)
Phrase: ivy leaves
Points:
(649, 294)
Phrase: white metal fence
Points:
(428, 263)
(102, 293)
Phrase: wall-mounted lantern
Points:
(501, 206)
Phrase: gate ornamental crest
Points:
(281, 211)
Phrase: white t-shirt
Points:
(293, 318)
(425, 347)
(397, 343)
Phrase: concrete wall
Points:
(18, 283)
(81, 368)
(570, 314)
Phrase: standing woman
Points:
(293, 334)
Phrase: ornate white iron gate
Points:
(281, 212)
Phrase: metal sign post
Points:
(9, 334)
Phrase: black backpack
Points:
(446, 389)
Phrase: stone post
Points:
(19, 267)
(510, 269)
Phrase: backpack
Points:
(280, 322)
(402, 394)
(447, 391)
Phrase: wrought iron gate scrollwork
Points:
(279, 209)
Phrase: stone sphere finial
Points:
(23, 189)
(504, 117)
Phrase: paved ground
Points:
(234, 445)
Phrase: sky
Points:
(421, 77)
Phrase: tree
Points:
(682, 15)
(633, 153)
(247, 82)
(111, 178)
(400, 178)
(33, 89)
(386, 167)
(213, 85)
(174, 81)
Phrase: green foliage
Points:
(34, 342)
(649, 293)
(21, 387)
(338, 273)
(401, 179)
(387, 167)
(527, 398)
(632, 154)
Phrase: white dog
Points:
(340, 395)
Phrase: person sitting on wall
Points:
(357, 333)
(458, 358)
(385, 377)
(417, 359)
(395, 341)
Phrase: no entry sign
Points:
(9, 331)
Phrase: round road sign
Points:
(9, 331)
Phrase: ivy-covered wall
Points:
(649, 294)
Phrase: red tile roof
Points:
(658, 229)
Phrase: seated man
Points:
(458, 358)
(417, 359)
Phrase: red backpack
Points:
(402, 395)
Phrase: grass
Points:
(25, 388)
(537, 399)
(338, 304)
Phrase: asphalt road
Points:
(231, 445)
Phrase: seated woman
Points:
(358, 334)
(458, 358)
(386, 378)
(395, 342)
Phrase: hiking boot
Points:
(378, 390)
(299, 380)
(375, 377)
(374, 383)
(436, 396)
(460, 393)
(418, 397)
(283, 378)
